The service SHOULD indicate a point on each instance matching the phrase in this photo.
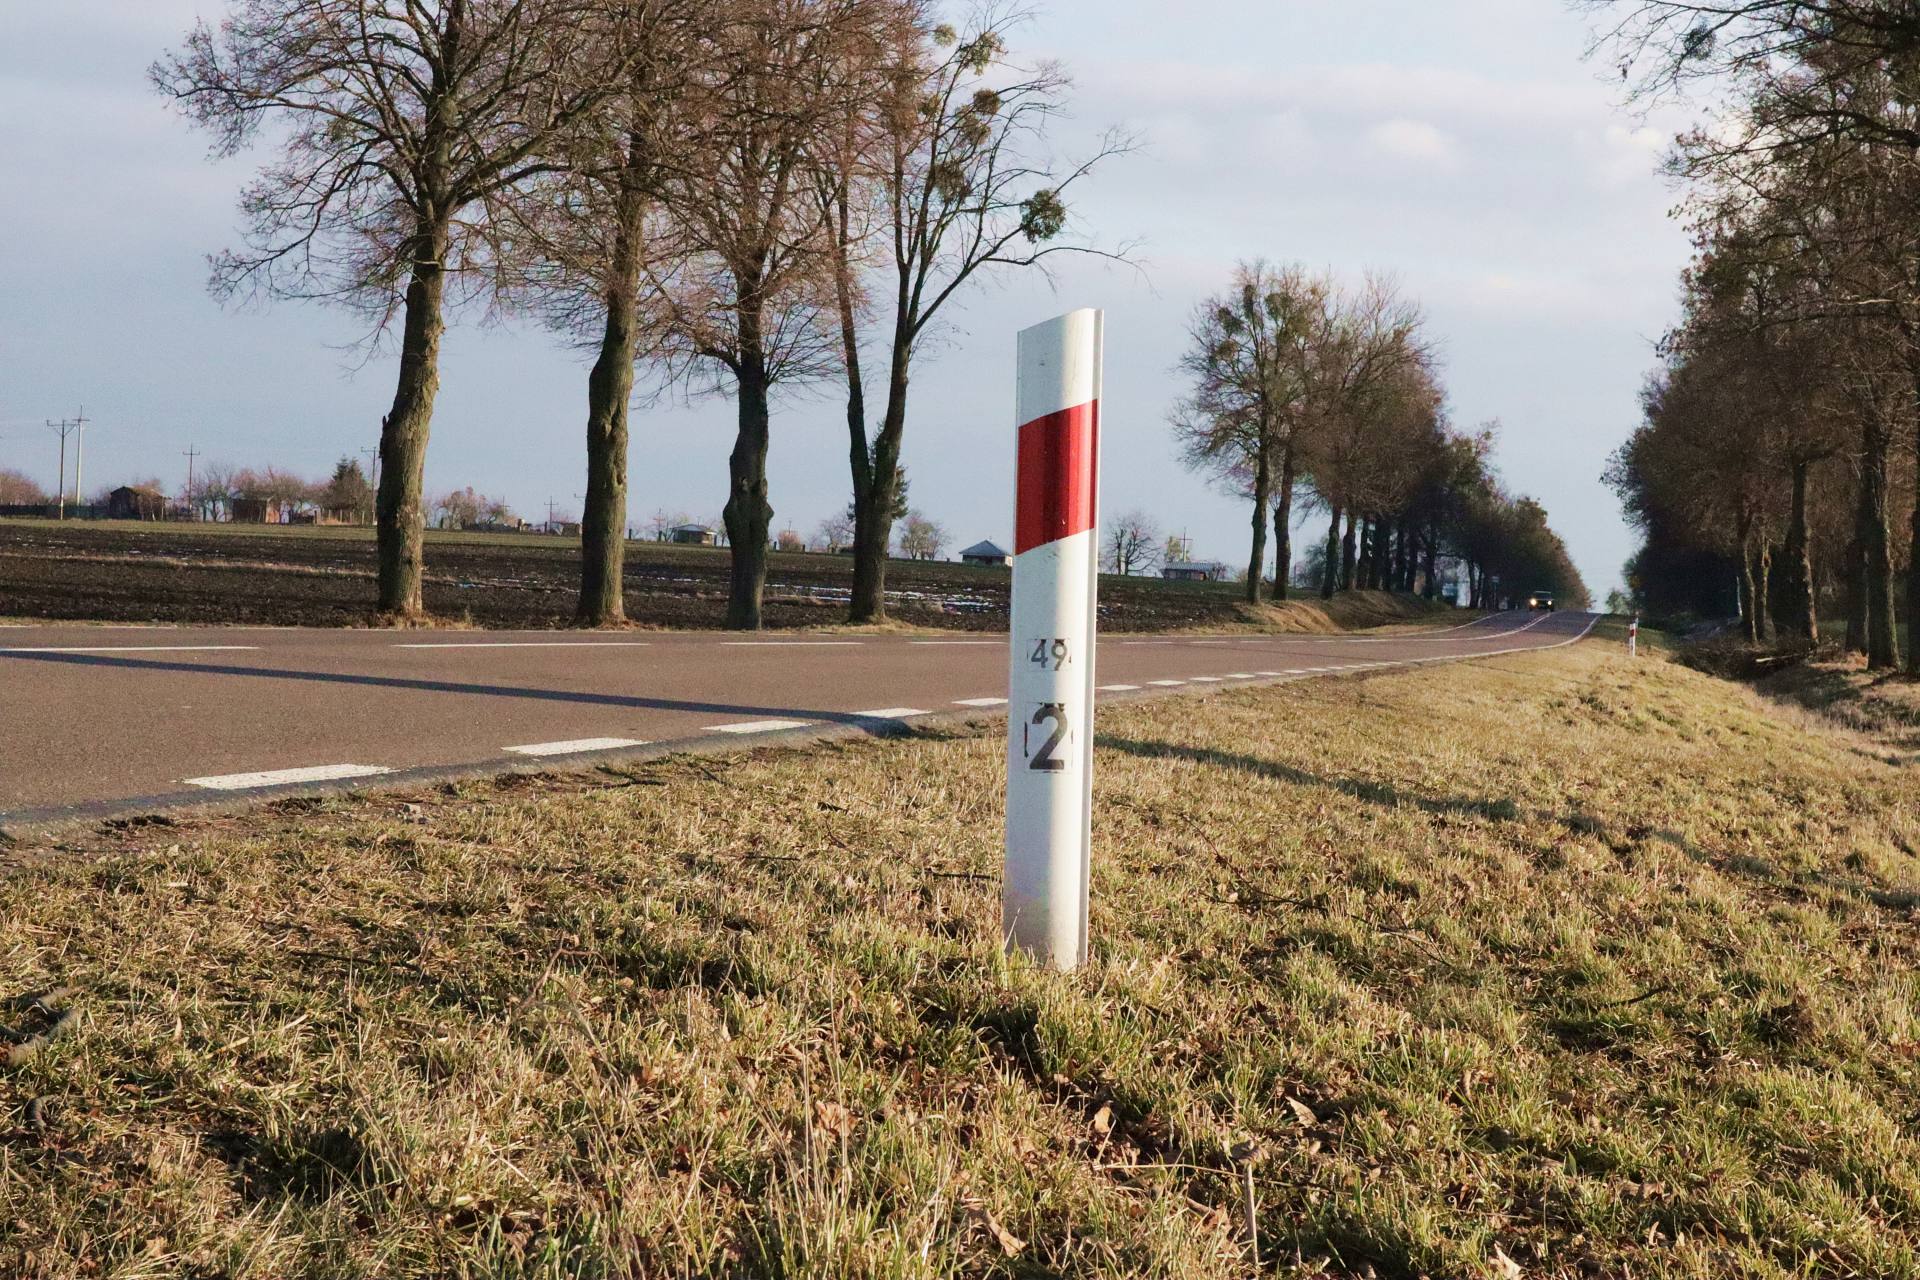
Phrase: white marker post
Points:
(1050, 685)
(1633, 637)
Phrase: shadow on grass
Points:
(1378, 793)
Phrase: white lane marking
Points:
(1209, 679)
(1273, 674)
(1165, 684)
(530, 644)
(980, 702)
(574, 747)
(1118, 688)
(790, 644)
(1240, 675)
(757, 726)
(1213, 642)
(140, 648)
(891, 713)
(283, 777)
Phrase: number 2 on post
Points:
(1047, 759)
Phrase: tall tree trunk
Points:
(1913, 551)
(1801, 616)
(603, 522)
(1347, 554)
(1262, 497)
(1856, 562)
(1877, 549)
(400, 514)
(748, 515)
(1750, 598)
(1283, 526)
(1432, 566)
(1330, 571)
(874, 501)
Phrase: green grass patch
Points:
(1546, 965)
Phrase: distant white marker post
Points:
(1633, 637)
(1050, 685)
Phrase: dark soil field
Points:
(307, 576)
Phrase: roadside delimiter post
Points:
(1050, 685)
(1633, 637)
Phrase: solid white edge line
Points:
(575, 747)
(531, 644)
(758, 726)
(891, 713)
(141, 648)
(286, 777)
(979, 702)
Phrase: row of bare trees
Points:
(728, 196)
(1779, 445)
(1307, 395)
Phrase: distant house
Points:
(262, 511)
(986, 553)
(691, 535)
(561, 528)
(1193, 571)
(136, 502)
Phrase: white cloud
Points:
(1415, 140)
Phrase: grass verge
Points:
(1548, 965)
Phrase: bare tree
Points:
(1250, 361)
(921, 538)
(946, 160)
(592, 246)
(753, 304)
(835, 533)
(18, 489)
(397, 122)
(1133, 544)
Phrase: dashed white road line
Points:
(790, 644)
(140, 648)
(284, 777)
(980, 702)
(891, 713)
(1209, 679)
(757, 726)
(575, 747)
(1240, 675)
(530, 644)
(1166, 684)
(1118, 688)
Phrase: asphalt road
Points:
(100, 722)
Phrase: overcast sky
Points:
(1463, 146)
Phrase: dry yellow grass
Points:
(1545, 966)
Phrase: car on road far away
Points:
(1541, 600)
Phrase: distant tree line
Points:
(1777, 455)
(1307, 397)
(729, 196)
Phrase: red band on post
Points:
(1058, 462)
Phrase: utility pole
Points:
(191, 454)
(373, 473)
(79, 451)
(550, 506)
(64, 428)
